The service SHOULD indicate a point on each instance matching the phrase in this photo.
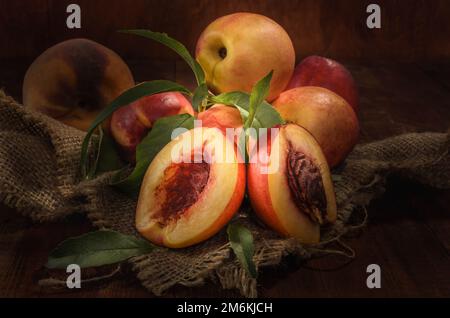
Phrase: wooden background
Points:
(411, 30)
(402, 73)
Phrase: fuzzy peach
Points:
(292, 192)
(74, 81)
(326, 115)
(182, 201)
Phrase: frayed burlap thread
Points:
(39, 164)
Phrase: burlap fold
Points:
(39, 164)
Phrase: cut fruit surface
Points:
(292, 192)
(192, 188)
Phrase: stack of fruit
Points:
(183, 202)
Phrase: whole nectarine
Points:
(327, 73)
(131, 123)
(74, 80)
(239, 49)
(326, 115)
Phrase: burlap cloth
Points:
(39, 164)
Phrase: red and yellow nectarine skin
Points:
(74, 81)
(184, 203)
(239, 49)
(131, 123)
(326, 115)
(229, 120)
(222, 117)
(327, 73)
(287, 198)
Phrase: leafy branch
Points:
(176, 46)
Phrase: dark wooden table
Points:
(408, 233)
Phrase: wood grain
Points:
(416, 30)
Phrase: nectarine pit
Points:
(183, 183)
(305, 183)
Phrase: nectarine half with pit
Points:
(74, 81)
(192, 188)
(326, 115)
(131, 123)
(292, 191)
(239, 49)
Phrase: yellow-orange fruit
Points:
(221, 116)
(326, 115)
(327, 73)
(239, 49)
(74, 81)
(182, 201)
(292, 191)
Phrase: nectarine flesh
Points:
(183, 202)
(293, 192)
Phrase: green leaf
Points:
(258, 95)
(241, 241)
(265, 116)
(129, 96)
(107, 158)
(179, 48)
(159, 136)
(96, 249)
(200, 97)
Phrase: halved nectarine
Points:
(292, 191)
(192, 188)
